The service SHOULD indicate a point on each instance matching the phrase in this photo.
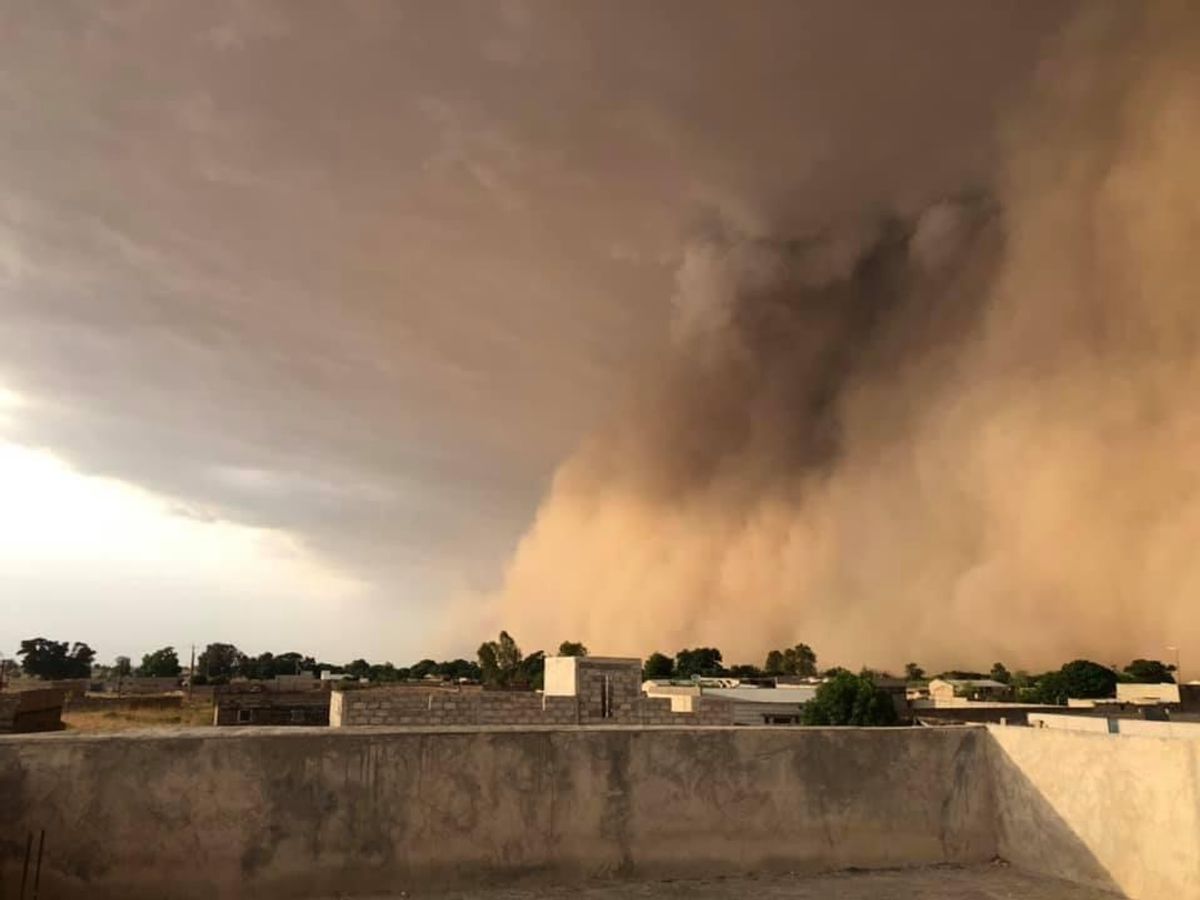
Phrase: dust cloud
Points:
(957, 436)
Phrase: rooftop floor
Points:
(989, 882)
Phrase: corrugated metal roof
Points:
(801, 693)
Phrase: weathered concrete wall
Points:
(139, 684)
(28, 711)
(1114, 811)
(303, 813)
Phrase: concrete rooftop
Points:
(997, 881)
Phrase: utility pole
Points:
(191, 673)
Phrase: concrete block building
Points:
(605, 688)
(262, 703)
(959, 691)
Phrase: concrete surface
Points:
(1115, 725)
(265, 813)
(313, 812)
(988, 882)
(1114, 811)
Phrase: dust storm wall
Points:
(971, 428)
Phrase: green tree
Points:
(219, 662)
(801, 660)
(162, 663)
(913, 672)
(1078, 678)
(1000, 673)
(256, 668)
(848, 699)
(572, 648)
(424, 668)
(42, 658)
(384, 672)
(122, 667)
(500, 661)
(292, 663)
(700, 661)
(459, 670)
(1150, 671)
(745, 671)
(531, 672)
(1084, 678)
(358, 669)
(1049, 687)
(1024, 687)
(658, 665)
(798, 660)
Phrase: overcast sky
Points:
(303, 302)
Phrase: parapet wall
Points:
(1113, 811)
(296, 813)
(310, 813)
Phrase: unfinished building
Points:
(271, 703)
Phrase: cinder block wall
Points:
(306, 813)
(405, 706)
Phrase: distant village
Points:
(52, 685)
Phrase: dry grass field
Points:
(102, 721)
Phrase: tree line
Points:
(1081, 678)
(501, 664)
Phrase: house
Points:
(781, 704)
(956, 691)
(1148, 694)
(268, 703)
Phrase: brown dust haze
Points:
(965, 435)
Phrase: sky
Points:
(304, 304)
